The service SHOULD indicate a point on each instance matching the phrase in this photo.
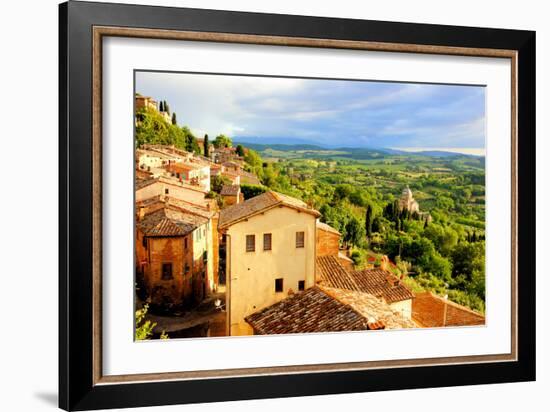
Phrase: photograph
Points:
(270, 205)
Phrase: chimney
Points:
(141, 213)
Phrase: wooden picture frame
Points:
(82, 28)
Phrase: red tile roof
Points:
(169, 222)
(372, 308)
(258, 204)
(310, 311)
(377, 282)
(331, 273)
(381, 283)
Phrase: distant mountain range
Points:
(291, 144)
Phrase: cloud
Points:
(330, 112)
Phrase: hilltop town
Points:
(219, 252)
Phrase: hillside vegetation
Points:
(356, 192)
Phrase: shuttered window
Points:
(167, 271)
(250, 243)
(267, 241)
(300, 239)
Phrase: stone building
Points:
(154, 187)
(407, 202)
(232, 195)
(145, 102)
(174, 254)
(193, 173)
(270, 243)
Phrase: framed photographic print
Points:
(257, 205)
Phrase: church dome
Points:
(407, 193)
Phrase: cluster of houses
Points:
(281, 269)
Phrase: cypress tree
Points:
(206, 146)
(174, 119)
(425, 223)
(368, 221)
(161, 106)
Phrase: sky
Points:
(331, 113)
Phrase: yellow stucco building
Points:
(270, 254)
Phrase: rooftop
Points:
(230, 190)
(258, 204)
(310, 311)
(377, 282)
(327, 228)
(184, 166)
(333, 274)
(372, 308)
(381, 283)
(169, 222)
(141, 183)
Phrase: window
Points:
(166, 191)
(167, 271)
(300, 236)
(185, 243)
(205, 256)
(250, 243)
(279, 285)
(301, 284)
(267, 241)
(144, 242)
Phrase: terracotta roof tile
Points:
(372, 308)
(333, 274)
(169, 222)
(377, 282)
(230, 190)
(381, 283)
(310, 311)
(257, 204)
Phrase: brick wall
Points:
(327, 243)
(429, 310)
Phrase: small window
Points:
(166, 191)
(267, 241)
(166, 271)
(279, 285)
(185, 243)
(144, 242)
(250, 243)
(301, 284)
(300, 236)
(205, 256)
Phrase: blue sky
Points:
(333, 113)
